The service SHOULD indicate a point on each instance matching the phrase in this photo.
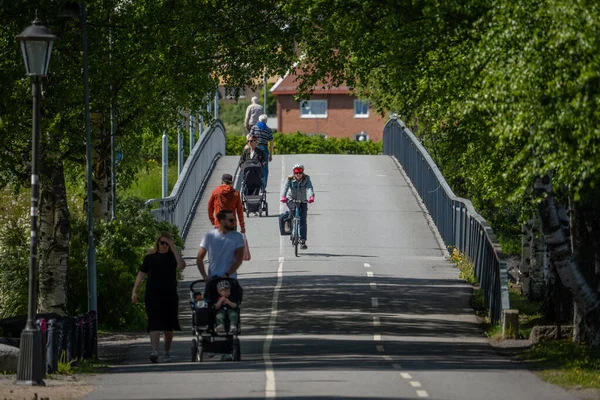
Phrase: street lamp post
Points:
(36, 45)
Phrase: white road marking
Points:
(374, 302)
(376, 321)
(387, 358)
(377, 337)
(396, 366)
(380, 348)
(369, 274)
(405, 375)
(373, 285)
(415, 384)
(381, 175)
(367, 265)
(422, 393)
(270, 387)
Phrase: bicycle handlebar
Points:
(297, 201)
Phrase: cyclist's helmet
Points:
(298, 168)
(224, 284)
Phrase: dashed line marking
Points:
(422, 393)
(405, 375)
(373, 285)
(387, 358)
(377, 337)
(376, 321)
(369, 274)
(415, 384)
(380, 348)
(367, 265)
(374, 302)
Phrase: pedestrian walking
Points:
(225, 249)
(162, 302)
(225, 197)
(253, 111)
(264, 134)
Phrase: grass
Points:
(465, 265)
(562, 363)
(565, 364)
(149, 183)
(529, 315)
(78, 367)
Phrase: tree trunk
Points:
(563, 260)
(101, 169)
(539, 261)
(55, 232)
(585, 241)
(525, 266)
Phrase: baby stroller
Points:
(206, 340)
(254, 196)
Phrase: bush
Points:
(298, 143)
(120, 248)
(14, 264)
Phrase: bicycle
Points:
(295, 237)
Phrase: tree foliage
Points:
(501, 92)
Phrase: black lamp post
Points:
(36, 45)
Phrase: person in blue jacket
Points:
(299, 188)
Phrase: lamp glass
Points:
(36, 54)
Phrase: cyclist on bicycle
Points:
(299, 190)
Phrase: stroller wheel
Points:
(200, 353)
(194, 350)
(266, 208)
(236, 352)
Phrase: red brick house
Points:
(335, 112)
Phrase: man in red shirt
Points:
(225, 197)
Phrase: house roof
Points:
(290, 82)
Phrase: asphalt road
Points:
(372, 310)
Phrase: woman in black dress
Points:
(162, 303)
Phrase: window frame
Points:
(313, 116)
(363, 103)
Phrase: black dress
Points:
(162, 301)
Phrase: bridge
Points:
(372, 310)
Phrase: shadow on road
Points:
(327, 322)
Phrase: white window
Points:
(313, 109)
(361, 109)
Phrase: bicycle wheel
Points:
(296, 236)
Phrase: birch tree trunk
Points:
(525, 265)
(563, 260)
(55, 232)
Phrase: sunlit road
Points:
(371, 310)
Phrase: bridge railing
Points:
(180, 206)
(458, 223)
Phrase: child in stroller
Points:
(254, 196)
(226, 308)
(206, 321)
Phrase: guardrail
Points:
(179, 208)
(458, 223)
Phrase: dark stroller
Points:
(254, 196)
(206, 340)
